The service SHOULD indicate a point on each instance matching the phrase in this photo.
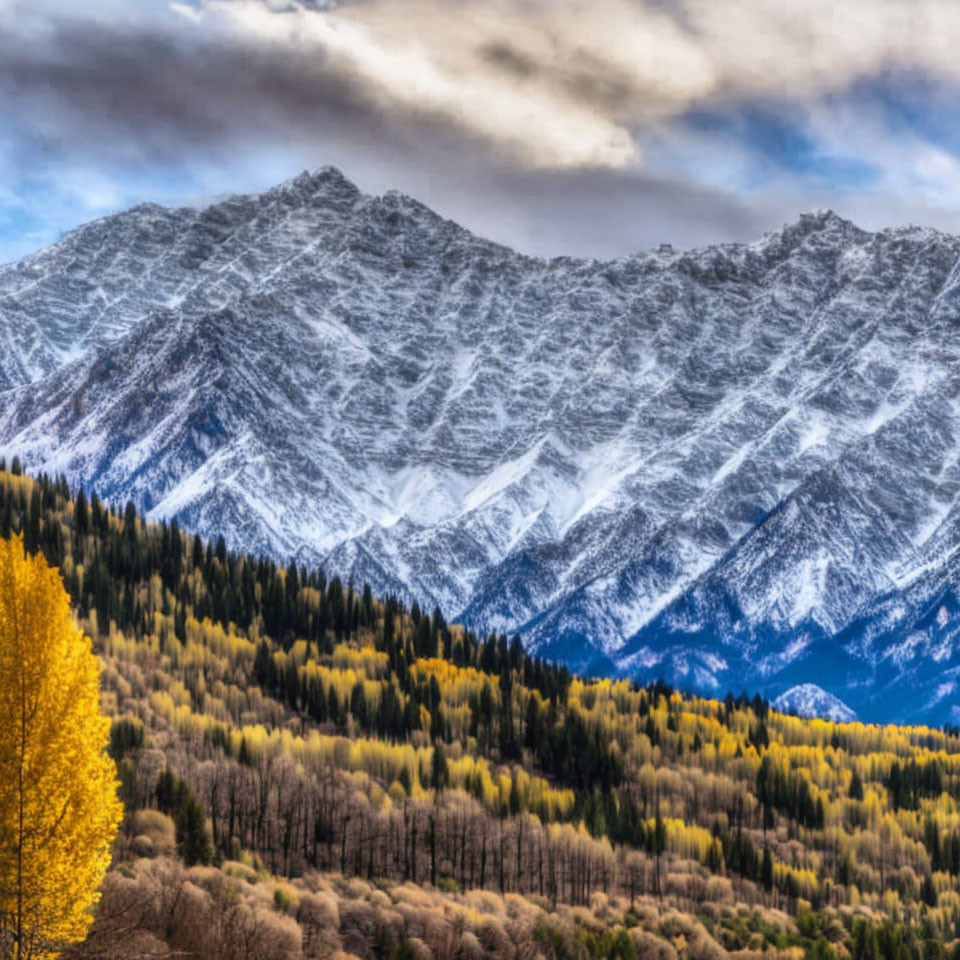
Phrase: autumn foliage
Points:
(59, 809)
(280, 735)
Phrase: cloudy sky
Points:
(592, 127)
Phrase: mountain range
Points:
(735, 467)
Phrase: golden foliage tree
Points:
(59, 810)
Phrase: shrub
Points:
(154, 833)
(447, 885)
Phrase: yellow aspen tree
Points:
(59, 809)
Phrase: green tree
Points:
(766, 869)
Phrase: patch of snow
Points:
(810, 700)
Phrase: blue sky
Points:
(552, 125)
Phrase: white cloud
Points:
(566, 83)
(548, 124)
(194, 14)
(562, 83)
(426, 74)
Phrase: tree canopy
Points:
(59, 809)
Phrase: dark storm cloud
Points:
(96, 90)
(127, 98)
(552, 126)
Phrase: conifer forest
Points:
(308, 770)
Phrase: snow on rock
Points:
(737, 467)
(809, 700)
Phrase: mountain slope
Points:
(266, 720)
(711, 464)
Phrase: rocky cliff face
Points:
(733, 467)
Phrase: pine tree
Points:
(192, 837)
(856, 787)
(766, 869)
(439, 770)
(81, 514)
(659, 846)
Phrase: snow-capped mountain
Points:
(809, 700)
(736, 467)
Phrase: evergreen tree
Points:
(856, 787)
(766, 870)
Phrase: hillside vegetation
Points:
(273, 723)
(732, 461)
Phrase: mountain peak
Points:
(327, 182)
(627, 458)
(825, 218)
(330, 178)
(810, 700)
(824, 223)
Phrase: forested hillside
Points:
(268, 723)
(737, 463)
